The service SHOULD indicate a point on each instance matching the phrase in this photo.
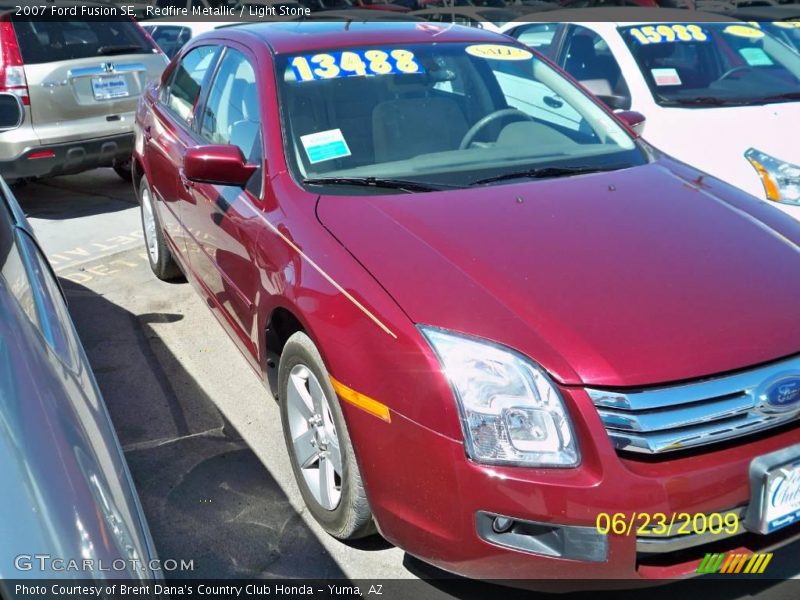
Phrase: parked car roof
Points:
(359, 14)
(615, 14)
(784, 12)
(310, 35)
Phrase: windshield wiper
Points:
(704, 101)
(120, 49)
(378, 182)
(775, 98)
(548, 172)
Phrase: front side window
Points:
(713, 64)
(441, 113)
(589, 60)
(231, 112)
(12, 269)
(25, 274)
(184, 87)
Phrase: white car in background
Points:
(171, 36)
(482, 17)
(721, 96)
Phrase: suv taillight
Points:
(12, 73)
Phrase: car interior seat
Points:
(418, 120)
(585, 64)
(245, 131)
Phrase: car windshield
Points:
(450, 114)
(714, 64)
(786, 31)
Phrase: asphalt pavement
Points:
(201, 434)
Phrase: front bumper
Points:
(67, 158)
(428, 498)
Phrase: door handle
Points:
(148, 132)
(553, 102)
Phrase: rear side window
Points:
(184, 88)
(538, 36)
(49, 41)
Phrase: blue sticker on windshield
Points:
(354, 63)
(756, 57)
(325, 145)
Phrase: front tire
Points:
(159, 255)
(318, 443)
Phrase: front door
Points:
(222, 220)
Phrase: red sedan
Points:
(498, 323)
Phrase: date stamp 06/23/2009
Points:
(667, 525)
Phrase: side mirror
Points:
(220, 165)
(634, 120)
(614, 102)
(12, 112)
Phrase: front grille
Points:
(664, 419)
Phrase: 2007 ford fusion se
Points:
(485, 329)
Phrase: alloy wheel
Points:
(315, 443)
(149, 225)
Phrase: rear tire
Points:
(159, 254)
(317, 441)
(123, 168)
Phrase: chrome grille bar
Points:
(668, 418)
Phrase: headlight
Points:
(511, 412)
(781, 180)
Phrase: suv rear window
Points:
(48, 41)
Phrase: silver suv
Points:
(79, 82)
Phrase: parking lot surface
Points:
(201, 434)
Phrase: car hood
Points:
(724, 134)
(640, 276)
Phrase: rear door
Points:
(85, 77)
(170, 132)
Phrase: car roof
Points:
(766, 13)
(197, 27)
(359, 14)
(462, 10)
(620, 15)
(290, 37)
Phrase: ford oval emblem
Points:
(780, 394)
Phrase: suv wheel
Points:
(123, 169)
(158, 253)
(320, 451)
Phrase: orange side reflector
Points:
(365, 403)
(770, 186)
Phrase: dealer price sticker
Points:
(355, 63)
(668, 34)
